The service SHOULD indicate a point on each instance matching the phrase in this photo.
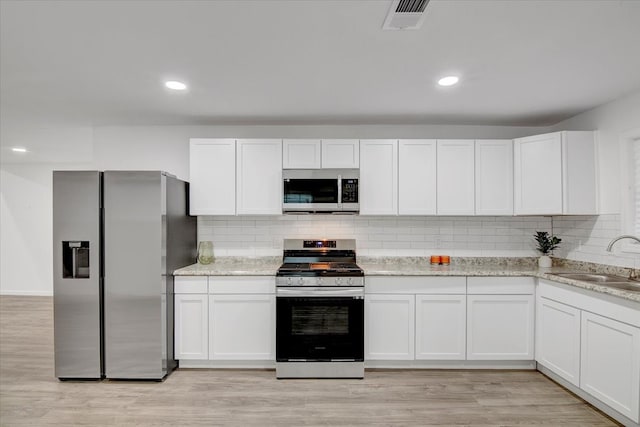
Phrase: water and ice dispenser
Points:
(75, 259)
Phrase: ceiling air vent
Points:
(405, 15)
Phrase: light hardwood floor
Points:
(30, 395)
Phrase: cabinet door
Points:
(490, 336)
(441, 327)
(212, 176)
(341, 153)
(301, 154)
(259, 177)
(417, 177)
(494, 177)
(558, 339)
(191, 326)
(378, 186)
(389, 327)
(538, 174)
(242, 327)
(455, 188)
(610, 363)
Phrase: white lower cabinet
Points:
(225, 318)
(558, 339)
(593, 342)
(389, 327)
(440, 327)
(500, 327)
(242, 327)
(191, 326)
(610, 363)
(500, 318)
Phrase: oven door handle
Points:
(320, 292)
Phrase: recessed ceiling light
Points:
(175, 85)
(448, 81)
(19, 150)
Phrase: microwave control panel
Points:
(349, 191)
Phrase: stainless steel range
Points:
(319, 310)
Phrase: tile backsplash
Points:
(585, 238)
(377, 235)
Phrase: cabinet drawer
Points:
(190, 285)
(416, 285)
(242, 285)
(500, 285)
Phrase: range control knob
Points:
(338, 280)
(319, 280)
(301, 281)
(289, 281)
(350, 280)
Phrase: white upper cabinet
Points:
(417, 177)
(455, 187)
(340, 153)
(301, 153)
(316, 154)
(259, 176)
(212, 176)
(555, 174)
(494, 177)
(538, 174)
(378, 186)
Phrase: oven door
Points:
(319, 324)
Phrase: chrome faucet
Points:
(625, 236)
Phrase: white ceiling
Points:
(312, 62)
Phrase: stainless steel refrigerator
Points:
(117, 237)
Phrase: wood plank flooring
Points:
(30, 394)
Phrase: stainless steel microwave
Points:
(320, 191)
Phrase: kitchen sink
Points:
(593, 277)
(625, 286)
(618, 282)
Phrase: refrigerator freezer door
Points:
(76, 274)
(135, 338)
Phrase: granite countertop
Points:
(488, 266)
(233, 266)
(419, 266)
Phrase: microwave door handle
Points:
(339, 191)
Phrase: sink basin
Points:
(625, 286)
(617, 282)
(594, 277)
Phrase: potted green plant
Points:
(545, 245)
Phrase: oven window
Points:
(321, 320)
(319, 328)
(310, 191)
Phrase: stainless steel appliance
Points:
(117, 237)
(320, 191)
(319, 310)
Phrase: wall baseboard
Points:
(10, 292)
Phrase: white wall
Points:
(25, 180)
(587, 238)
